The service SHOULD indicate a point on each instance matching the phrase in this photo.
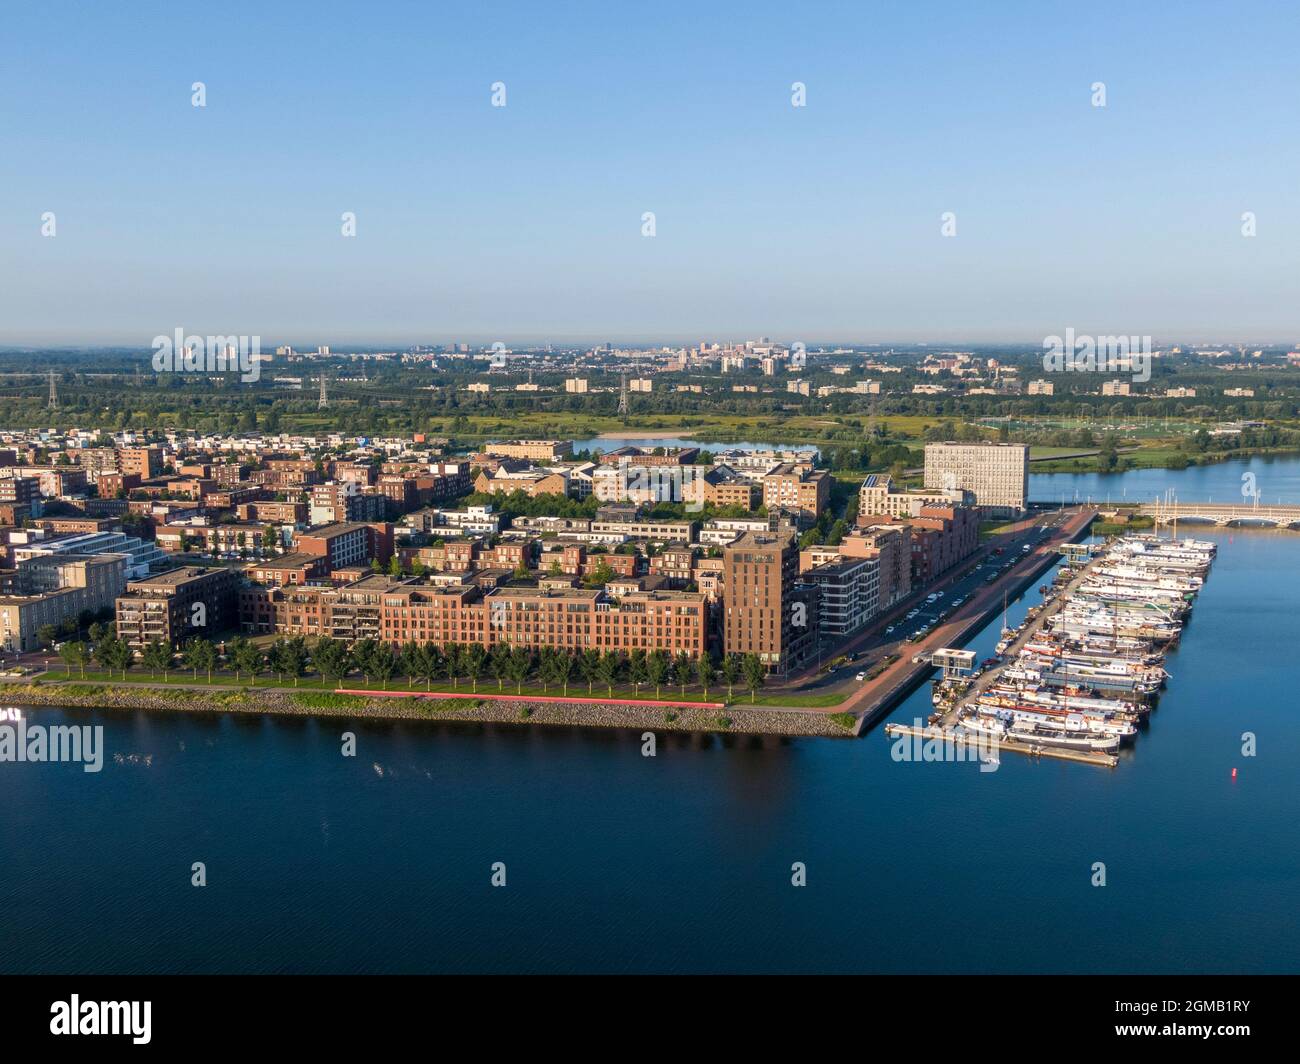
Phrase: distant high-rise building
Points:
(997, 474)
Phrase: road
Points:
(978, 586)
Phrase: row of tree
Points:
(377, 661)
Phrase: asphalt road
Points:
(889, 634)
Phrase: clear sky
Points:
(477, 223)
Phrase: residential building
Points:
(996, 473)
(532, 450)
(177, 605)
(765, 609)
(849, 594)
(878, 495)
(891, 544)
(797, 487)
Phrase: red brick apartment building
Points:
(941, 537)
(399, 611)
(761, 593)
(348, 544)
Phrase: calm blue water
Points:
(681, 863)
(1277, 479)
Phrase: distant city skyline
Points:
(479, 223)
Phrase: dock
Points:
(878, 698)
(1015, 746)
(1146, 583)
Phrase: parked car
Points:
(861, 676)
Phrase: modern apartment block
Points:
(891, 543)
(533, 450)
(145, 462)
(404, 610)
(849, 594)
(996, 473)
(348, 544)
(173, 606)
(531, 480)
(942, 536)
(765, 609)
(878, 495)
(797, 487)
(50, 589)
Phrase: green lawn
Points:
(577, 688)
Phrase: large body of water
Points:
(682, 863)
(1276, 478)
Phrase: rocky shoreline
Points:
(283, 702)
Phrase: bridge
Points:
(1226, 514)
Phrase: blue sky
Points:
(477, 223)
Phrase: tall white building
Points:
(997, 474)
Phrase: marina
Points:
(1080, 675)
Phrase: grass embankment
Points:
(1158, 455)
(224, 680)
(1118, 528)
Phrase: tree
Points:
(75, 653)
(521, 664)
(247, 657)
(199, 654)
(429, 663)
(473, 661)
(607, 673)
(157, 657)
(730, 672)
(47, 634)
(705, 672)
(289, 656)
(683, 667)
(383, 663)
(395, 566)
(599, 576)
(98, 632)
(499, 662)
(114, 654)
(755, 673)
(636, 671)
(451, 654)
(332, 659)
(545, 666)
(363, 654)
(563, 668)
(589, 666)
(237, 653)
(656, 669)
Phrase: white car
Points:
(861, 676)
